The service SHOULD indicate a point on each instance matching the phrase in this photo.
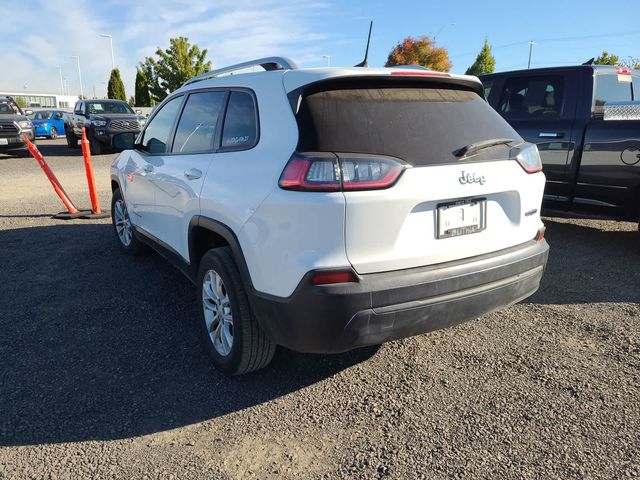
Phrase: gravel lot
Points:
(103, 375)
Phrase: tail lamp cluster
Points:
(331, 173)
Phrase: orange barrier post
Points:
(57, 186)
(88, 167)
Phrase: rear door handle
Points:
(551, 135)
(192, 174)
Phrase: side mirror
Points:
(28, 112)
(124, 141)
(139, 112)
(57, 116)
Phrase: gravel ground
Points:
(103, 374)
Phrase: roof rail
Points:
(268, 63)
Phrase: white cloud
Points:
(231, 30)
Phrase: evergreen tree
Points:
(485, 61)
(115, 88)
(143, 99)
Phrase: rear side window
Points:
(613, 88)
(240, 130)
(420, 125)
(532, 97)
(156, 135)
(197, 126)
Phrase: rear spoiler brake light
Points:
(414, 73)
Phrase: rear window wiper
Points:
(476, 147)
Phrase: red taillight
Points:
(418, 73)
(331, 277)
(329, 173)
(540, 235)
(319, 174)
(623, 71)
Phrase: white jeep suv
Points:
(330, 208)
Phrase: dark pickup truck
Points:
(105, 121)
(586, 122)
(13, 123)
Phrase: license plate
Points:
(4, 141)
(461, 218)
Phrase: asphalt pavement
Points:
(103, 374)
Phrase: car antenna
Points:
(365, 62)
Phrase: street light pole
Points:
(113, 60)
(531, 44)
(79, 74)
(61, 80)
(328, 57)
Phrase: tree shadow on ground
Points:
(98, 346)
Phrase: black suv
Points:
(13, 123)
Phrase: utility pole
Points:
(531, 44)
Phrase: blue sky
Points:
(37, 35)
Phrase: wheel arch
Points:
(205, 234)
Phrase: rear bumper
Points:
(392, 305)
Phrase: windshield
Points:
(423, 126)
(109, 107)
(8, 108)
(40, 115)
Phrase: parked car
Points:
(328, 209)
(48, 123)
(104, 120)
(590, 153)
(13, 123)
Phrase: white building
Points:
(43, 100)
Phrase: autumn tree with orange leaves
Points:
(420, 51)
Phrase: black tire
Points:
(133, 246)
(72, 140)
(53, 133)
(251, 349)
(96, 147)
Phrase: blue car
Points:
(48, 123)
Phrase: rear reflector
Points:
(418, 73)
(326, 172)
(331, 277)
(540, 235)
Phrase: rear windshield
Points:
(422, 126)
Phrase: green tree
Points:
(420, 51)
(143, 99)
(21, 102)
(607, 59)
(115, 88)
(131, 102)
(485, 61)
(174, 66)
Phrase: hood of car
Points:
(13, 118)
(115, 116)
